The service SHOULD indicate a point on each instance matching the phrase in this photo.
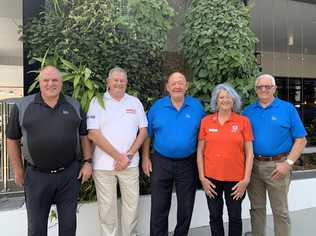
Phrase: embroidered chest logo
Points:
(91, 117)
(187, 116)
(213, 130)
(130, 111)
(234, 128)
(273, 118)
(65, 112)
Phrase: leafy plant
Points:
(103, 33)
(219, 47)
(86, 38)
(76, 79)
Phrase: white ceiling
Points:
(272, 21)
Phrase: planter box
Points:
(13, 222)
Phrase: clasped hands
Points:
(121, 162)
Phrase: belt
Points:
(176, 159)
(50, 171)
(271, 158)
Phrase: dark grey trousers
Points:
(42, 190)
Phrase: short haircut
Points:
(231, 91)
(265, 76)
(50, 67)
(173, 73)
(116, 69)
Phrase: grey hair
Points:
(231, 91)
(116, 69)
(47, 67)
(265, 76)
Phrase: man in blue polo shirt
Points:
(173, 124)
(279, 139)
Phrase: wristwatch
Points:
(290, 162)
(129, 157)
(87, 160)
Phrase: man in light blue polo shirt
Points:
(173, 125)
(279, 139)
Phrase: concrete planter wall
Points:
(13, 222)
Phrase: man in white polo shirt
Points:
(118, 130)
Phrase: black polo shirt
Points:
(50, 136)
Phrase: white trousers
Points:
(106, 188)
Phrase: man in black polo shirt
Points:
(51, 127)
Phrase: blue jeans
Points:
(42, 190)
(215, 206)
(167, 172)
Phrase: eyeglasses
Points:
(266, 87)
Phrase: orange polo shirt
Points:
(224, 156)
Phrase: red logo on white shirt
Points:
(131, 111)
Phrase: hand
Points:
(209, 187)
(85, 172)
(239, 189)
(19, 177)
(281, 170)
(147, 166)
(121, 162)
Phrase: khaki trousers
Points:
(261, 183)
(106, 188)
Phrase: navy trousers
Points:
(42, 190)
(167, 173)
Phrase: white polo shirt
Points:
(119, 123)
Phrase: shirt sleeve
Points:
(150, 116)
(247, 131)
(93, 119)
(202, 111)
(83, 124)
(13, 129)
(141, 115)
(202, 132)
(297, 127)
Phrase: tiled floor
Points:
(303, 224)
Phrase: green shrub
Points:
(96, 35)
(100, 34)
(219, 46)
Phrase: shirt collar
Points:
(167, 102)
(275, 103)
(39, 99)
(233, 117)
(108, 96)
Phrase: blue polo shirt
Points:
(275, 127)
(174, 132)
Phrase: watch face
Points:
(290, 162)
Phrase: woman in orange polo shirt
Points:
(225, 158)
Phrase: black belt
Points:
(50, 171)
(193, 155)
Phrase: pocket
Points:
(26, 174)
(283, 124)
